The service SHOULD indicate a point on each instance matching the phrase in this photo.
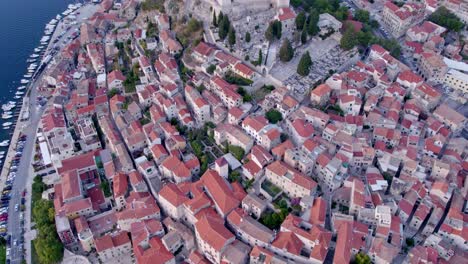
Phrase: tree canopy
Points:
(273, 116)
(312, 21)
(247, 37)
(362, 15)
(304, 36)
(214, 20)
(223, 26)
(361, 258)
(231, 36)
(303, 68)
(300, 20)
(442, 16)
(47, 244)
(274, 30)
(286, 52)
(236, 151)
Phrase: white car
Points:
(16, 207)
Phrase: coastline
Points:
(21, 227)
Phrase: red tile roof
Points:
(210, 227)
(173, 195)
(220, 191)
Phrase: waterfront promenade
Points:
(25, 173)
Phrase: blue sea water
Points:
(22, 24)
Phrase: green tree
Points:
(236, 151)
(274, 30)
(303, 68)
(273, 116)
(362, 15)
(286, 52)
(442, 16)
(215, 22)
(362, 258)
(304, 36)
(300, 20)
(223, 25)
(47, 244)
(296, 3)
(234, 176)
(232, 36)
(193, 25)
(260, 57)
(312, 21)
(364, 38)
(247, 37)
(269, 33)
(341, 13)
(105, 187)
(277, 28)
(348, 40)
(210, 69)
(410, 242)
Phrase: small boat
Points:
(37, 50)
(5, 117)
(7, 124)
(8, 112)
(2, 152)
(6, 128)
(21, 87)
(19, 93)
(17, 97)
(5, 143)
(24, 81)
(27, 75)
(8, 106)
(34, 55)
(31, 60)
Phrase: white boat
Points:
(21, 87)
(58, 17)
(8, 113)
(5, 143)
(9, 106)
(31, 60)
(5, 117)
(2, 152)
(34, 55)
(7, 124)
(6, 128)
(27, 75)
(24, 81)
(45, 39)
(17, 97)
(19, 93)
(37, 50)
(32, 66)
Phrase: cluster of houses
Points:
(374, 159)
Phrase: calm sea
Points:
(22, 24)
